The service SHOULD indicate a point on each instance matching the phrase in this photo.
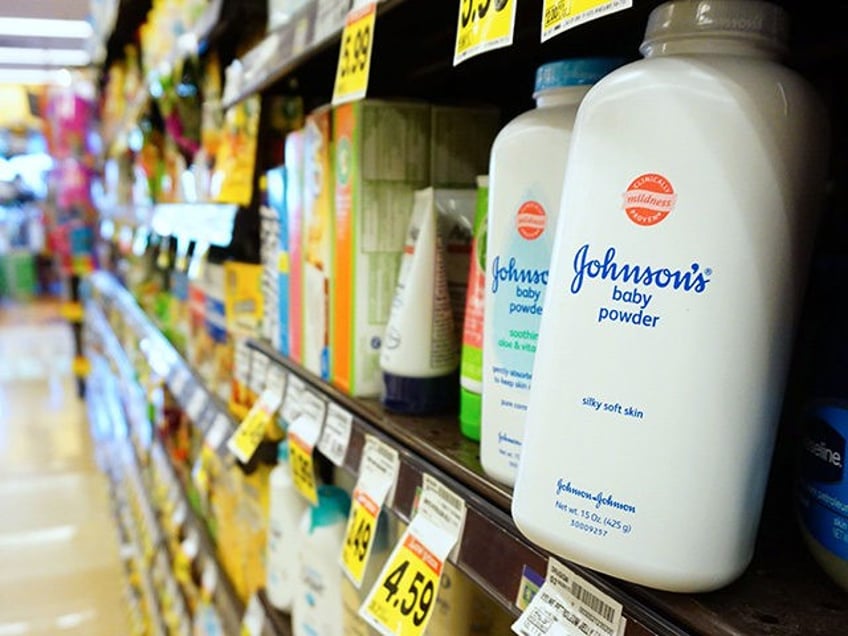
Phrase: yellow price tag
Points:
(71, 311)
(361, 526)
(404, 598)
(81, 367)
(355, 55)
(483, 25)
(250, 433)
(561, 15)
(182, 567)
(303, 468)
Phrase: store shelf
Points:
(308, 33)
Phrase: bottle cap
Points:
(582, 71)
(470, 410)
(752, 19)
(283, 451)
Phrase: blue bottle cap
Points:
(283, 451)
(581, 71)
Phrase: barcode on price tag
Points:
(336, 435)
(292, 406)
(568, 604)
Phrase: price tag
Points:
(253, 621)
(303, 435)
(276, 379)
(178, 518)
(218, 433)
(483, 25)
(292, 406)
(71, 311)
(336, 435)
(560, 15)
(258, 370)
(204, 423)
(571, 606)
(377, 475)
(403, 598)
(196, 404)
(355, 55)
(186, 554)
(250, 433)
(181, 379)
(209, 578)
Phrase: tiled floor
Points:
(60, 572)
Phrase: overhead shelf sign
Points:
(483, 25)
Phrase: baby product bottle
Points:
(689, 202)
(525, 186)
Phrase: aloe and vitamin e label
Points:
(516, 279)
(823, 490)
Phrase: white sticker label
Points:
(254, 618)
(276, 380)
(181, 379)
(336, 436)
(199, 400)
(569, 605)
(308, 424)
(241, 371)
(258, 370)
(292, 406)
(441, 506)
(209, 578)
(218, 433)
(378, 469)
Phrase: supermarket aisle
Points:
(60, 572)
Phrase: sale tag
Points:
(253, 621)
(303, 435)
(250, 433)
(571, 606)
(377, 475)
(483, 25)
(560, 15)
(336, 436)
(355, 55)
(258, 371)
(292, 406)
(403, 598)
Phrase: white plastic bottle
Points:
(690, 198)
(285, 509)
(317, 607)
(525, 186)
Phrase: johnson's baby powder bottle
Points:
(525, 185)
(689, 202)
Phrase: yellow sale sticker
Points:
(71, 311)
(355, 55)
(483, 25)
(404, 597)
(251, 431)
(561, 15)
(361, 527)
(303, 468)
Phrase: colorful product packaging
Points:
(290, 274)
(318, 240)
(382, 152)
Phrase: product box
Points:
(218, 368)
(317, 240)
(290, 274)
(382, 156)
(461, 141)
(243, 305)
(269, 248)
